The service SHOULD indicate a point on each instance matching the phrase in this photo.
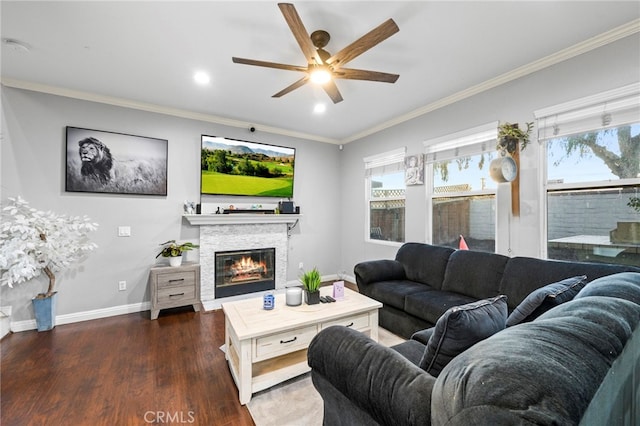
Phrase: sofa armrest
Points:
(374, 378)
(378, 270)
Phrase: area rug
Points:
(296, 402)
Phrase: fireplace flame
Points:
(248, 269)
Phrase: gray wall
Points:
(605, 68)
(32, 166)
(329, 183)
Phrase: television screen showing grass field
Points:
(235, 167)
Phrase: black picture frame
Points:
(117, 163)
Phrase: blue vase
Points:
(45, 310)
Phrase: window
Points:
(592, 159)
(463, 197)
(385, 197)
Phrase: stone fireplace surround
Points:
(240, 232)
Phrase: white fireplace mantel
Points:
(240, 218)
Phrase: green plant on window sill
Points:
(173, 249)
(509, 134)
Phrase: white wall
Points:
(606, 68)
(32, 166)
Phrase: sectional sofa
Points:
(570, 354)
(424, 280)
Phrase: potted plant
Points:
(510, 134)
(33, 242)
(311, 284)
(174, 251)
(505, 168)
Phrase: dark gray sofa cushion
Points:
(546, 298)
(393, 293)
(377, 380)
(625, 285)
(430, 305)
(474, 273)
(373, 271)
(424, 263)
(547, 371)
(460, 328)
(523, 275)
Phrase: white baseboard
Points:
(208, 305)
(17, 326)
(5, 320)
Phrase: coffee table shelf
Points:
(265, 348)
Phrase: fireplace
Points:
(244, 271)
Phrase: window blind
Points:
(609, 109)
(385, 163)
(466, 143)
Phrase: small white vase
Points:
(175, 261)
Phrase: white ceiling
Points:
(144, 54)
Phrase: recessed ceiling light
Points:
(201, 77)
(319, 108)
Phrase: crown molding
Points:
(142, 106)
(615, 34)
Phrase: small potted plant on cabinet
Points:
(33, 242)
(311, 283)
(174, 251)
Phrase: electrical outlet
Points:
(122, 285)
(301, 265)
(124, 231)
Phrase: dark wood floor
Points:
(124, 370)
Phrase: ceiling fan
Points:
(323, 68)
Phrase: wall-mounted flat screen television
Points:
(236, 167)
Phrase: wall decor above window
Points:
(108, 162)
(414, 170)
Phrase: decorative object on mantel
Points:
(511, 139)
(174, 251)
(311, 283)
(189, 207)
(32, 242)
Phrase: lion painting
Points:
(115, 163)
(97, 162)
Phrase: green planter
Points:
(45, 310)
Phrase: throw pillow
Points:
(541, 300)
(461, 327)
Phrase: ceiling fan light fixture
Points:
(320, 75)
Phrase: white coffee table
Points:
(264, 348)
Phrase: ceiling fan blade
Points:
(292, 87)
(364, 43)
(333, 92)
(300, 33)
(268, 64)
(353, 74)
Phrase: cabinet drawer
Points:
(285, 342)
(176, 279)
(357, 322)
(176, 293)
